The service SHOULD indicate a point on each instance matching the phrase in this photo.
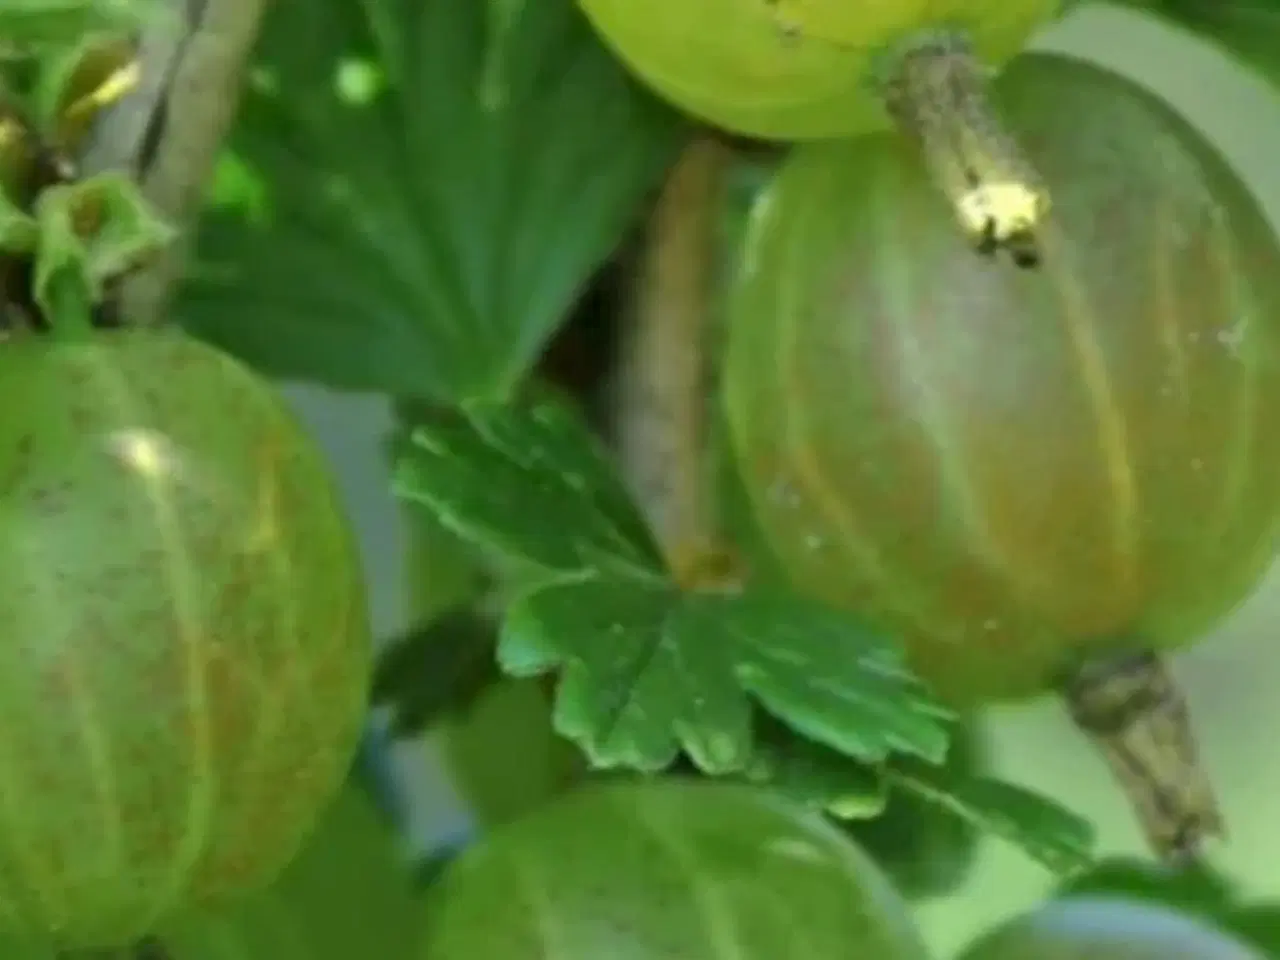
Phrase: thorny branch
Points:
(167, 131)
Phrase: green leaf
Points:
(1249, 30)
(927, 850)
(442, 570)
(530, 482)
(348, 895)
(814, 776)
(648, 670)
(502, 755)
(1194, 888)
(444, 177)
(436, 671)
(1046, 831)
(31, 25)
(237, 188)
(1259, 923)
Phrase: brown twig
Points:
(168, 130)
(660, 424)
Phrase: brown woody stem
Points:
(1133, 710)
(167, 131)
(936, 90)
(661, 422)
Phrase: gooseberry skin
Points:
(187, 643)
(1013, 469)
(732, 63)
(1104, 928)
(665, 868)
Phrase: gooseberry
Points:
(187, 645)
(665, 868)
(1010, 468)
(798, 69)
(1039, 479)
(1098, 928)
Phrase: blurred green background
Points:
(1232, 678)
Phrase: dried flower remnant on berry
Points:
(935, 90)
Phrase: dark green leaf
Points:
(1249, 30)
(436, 671)
(529, 482)
(444, 176)
(1196, 888)
(812, 775)
(1259, 923)
(348, 895)
(237, 189)
(648, 670)
(1056, 837)
(925, 848)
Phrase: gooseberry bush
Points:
(778, 385)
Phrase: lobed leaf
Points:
(926, 849)
(1046, 831)
(814, 776)
(1194, 888)
(436, 671)
(648, 671)
(530, 482)
(1258, 923)
(443, 178)
(762, 684)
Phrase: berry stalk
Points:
(1133, 710)
(935, 88)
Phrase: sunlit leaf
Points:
(648, 670)
(529, 482)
